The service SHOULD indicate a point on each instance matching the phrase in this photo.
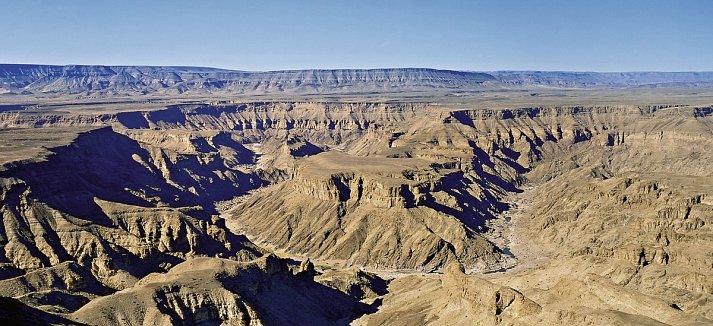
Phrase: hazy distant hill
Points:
(132, 80)
(605, 79)
(146, 79)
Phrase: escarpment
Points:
(108, 165)
(112, 81)
(96, 81)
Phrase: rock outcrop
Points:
(266, 291)
(455, 298)
(368, 211)
(96, 214)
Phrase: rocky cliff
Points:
(266, 291)
(369, 211)
(115, 211)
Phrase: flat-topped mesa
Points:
(372, 212)
(381, 182)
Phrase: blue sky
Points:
(574, 35)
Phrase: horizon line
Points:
(365, 69)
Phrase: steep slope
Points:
(431, 185)
(14, 312)
(104, 209)
(455, 298)
(367, 211)
(627, 231)
(632, 208)
(266, 291)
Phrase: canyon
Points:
(174, 195)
